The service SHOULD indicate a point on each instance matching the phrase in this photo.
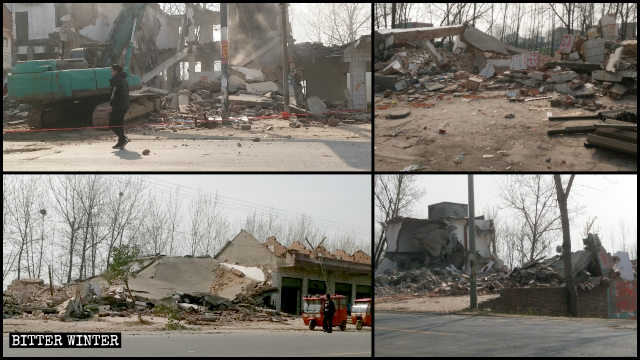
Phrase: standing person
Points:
(329, 310)
(119, 103)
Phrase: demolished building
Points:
(441, 240)
(180, 50)
(297, 271)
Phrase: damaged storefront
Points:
(297, 271)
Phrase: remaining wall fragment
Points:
(594, 50)
(609, 27)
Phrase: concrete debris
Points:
(494, 276)
(488, 71)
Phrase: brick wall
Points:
(549, 302)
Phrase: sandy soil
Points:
(131, 324)
(476, 127)
(426, 303)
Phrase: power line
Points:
(237, 205)
(256, 205)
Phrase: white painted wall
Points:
(41, 18)
(107, 13)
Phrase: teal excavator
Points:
(67, 93)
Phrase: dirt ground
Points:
(155, 323)
(477, 129)
(425, 303)
(270, 145)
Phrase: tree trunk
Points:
(572, 298)
(126, 283)
(393, 15)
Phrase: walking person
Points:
(118, 104)
(329, 311)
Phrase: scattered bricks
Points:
(460, 75)
(538, 75)
(561, 77)
(474, 83)
(617, 91)
(556, 102)
(434, 52)
(630, 48)
(576, 83)
(431, 86)
(568, 101)
(574, 56)
(333, 122)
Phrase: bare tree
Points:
(395, 196)
(532, 197)
(563, 195)
(590, 227)
(155, 229)
(339, 23)
(21, 208)
(68, 207)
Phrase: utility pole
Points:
(473, 292)
(285, 57)
(224, 39)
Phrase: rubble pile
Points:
(536, 273)
(443, 281)
(478, 66)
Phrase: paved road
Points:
(411, 334)
(249, 343)
(202, 154)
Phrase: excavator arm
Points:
(122, 31)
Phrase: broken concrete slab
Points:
(594, 50)
(617, 91)
(486, 42)
(488, 71)
(567, 43)
(432, 86)
(538, 75)
(574, 65)
(250, 75)
(561, 77)
(261, 87)
(609, 27)
(440, 61)
(398, 115)
(614, 59)
(602, 75)
(418, 34)
(316, 106)
(392, 68)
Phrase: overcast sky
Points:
(612, 198)
(337, 203)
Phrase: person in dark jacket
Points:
(329, 310)
(118, 103)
